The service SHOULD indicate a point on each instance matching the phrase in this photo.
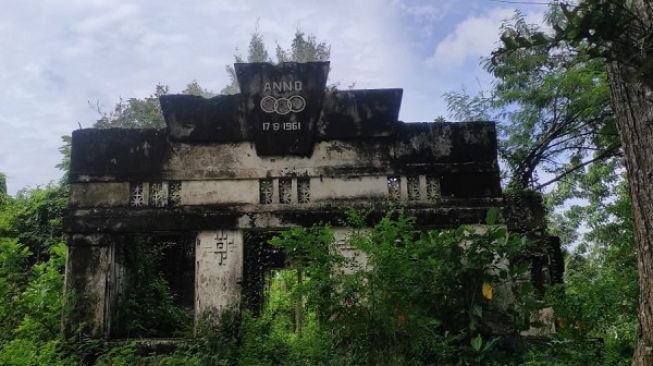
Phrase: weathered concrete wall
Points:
(449, 184)
(191, 218)
(193, 161)
(236, 192)
(104, 194)
(331, 189)
(107, 155)
(445, 174)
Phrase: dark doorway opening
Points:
(152, 286)
(259, 259)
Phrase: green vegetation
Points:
(32, 255)
(147, 306)
(558, 132)
(420, 299)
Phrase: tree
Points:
(553, 104)
(600, 291)
(194, 88)
(303, 49)
(3, 184)
(143, 113)
(621, 33)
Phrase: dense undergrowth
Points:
(420, 298)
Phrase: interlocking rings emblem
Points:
(270, 104)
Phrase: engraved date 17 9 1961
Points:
(281, 126)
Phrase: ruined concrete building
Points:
(287, 151)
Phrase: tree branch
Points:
(606, 154)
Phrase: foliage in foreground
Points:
(32, 255)
(423, 299)
(419, 298)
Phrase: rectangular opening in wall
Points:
(394, 188)
(433, 188)
(137, 194)
(282, 302)
(259, 258)
(272, 286)
(159, 194)
(303, 190)
(265, 191)
(152, 286)
(413, 188)
(174, 194)
(285, 190)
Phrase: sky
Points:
(61, 59)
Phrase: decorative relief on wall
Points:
(413, 188)
(174, 194)
(137, 195)
(219, 269)
(265, 191)
(303, 190)
(285, 190)
(223, 245)
(394, 185)
(155, 194)
(283, 106)
(433, 188)
(354, 258)
(159, 194)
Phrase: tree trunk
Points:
(633, 105)
(632, 99)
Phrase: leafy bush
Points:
(32, 256)
(421, 298)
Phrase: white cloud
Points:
(474, 37)
(420, 12)
(108, 18)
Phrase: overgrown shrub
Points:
(147, 307)
(434, 297)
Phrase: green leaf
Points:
(477, 311)
(523, 268)
(491, 217)
(477, 343)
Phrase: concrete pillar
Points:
(87, 285)
(218, 271)
(422, 189)
(403, 188)
(275, 191)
